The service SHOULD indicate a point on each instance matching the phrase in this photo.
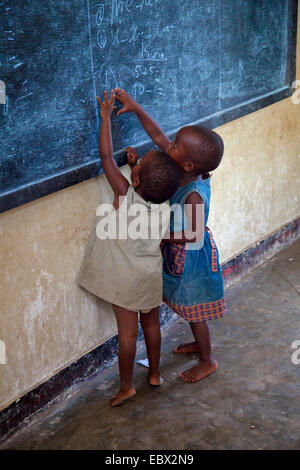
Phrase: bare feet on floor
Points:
(199, 371)
(189, 348)
(154, 380)
(121, 397)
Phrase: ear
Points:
(188, 167)
(136, 182)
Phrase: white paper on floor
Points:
(143, 362)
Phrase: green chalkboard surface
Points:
(206, 61)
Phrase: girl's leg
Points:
(127, 321)
(151, 329)
(207, 363)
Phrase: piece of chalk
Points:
(2, 92)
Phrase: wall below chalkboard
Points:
(208, 61)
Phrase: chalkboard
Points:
(206, 61)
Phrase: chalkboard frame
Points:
(37, 189)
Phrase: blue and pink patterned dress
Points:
(192, 276)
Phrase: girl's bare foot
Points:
(199, 371)
(189, 348)
(121, 397)
(154, 380)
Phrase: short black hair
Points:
(207, 150)
(159, 178)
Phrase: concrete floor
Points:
(251, 402)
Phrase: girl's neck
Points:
(187, 178)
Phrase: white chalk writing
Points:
(125, 25)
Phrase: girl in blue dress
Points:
(192, 277)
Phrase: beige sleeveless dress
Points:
(128, 272)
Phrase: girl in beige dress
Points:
(127, 271)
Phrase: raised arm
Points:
(150, 126)
(117, 181)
